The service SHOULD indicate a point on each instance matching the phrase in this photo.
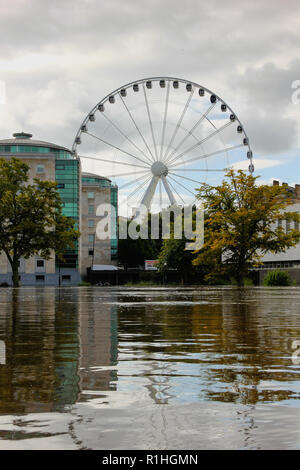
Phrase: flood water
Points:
(161, 368)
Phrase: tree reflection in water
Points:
(179, 345)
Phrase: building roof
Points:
(23, 138)
(93, 175)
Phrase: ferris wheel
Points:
(160, 138)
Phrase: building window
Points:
(91, 252)
(91, 238)
(67, 178)
(91, 195)
(91, 210)
(91, 224)
(40, 169)
(40, 263)
(40, 278)
(104, 184)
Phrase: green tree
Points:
(133, 253)
(31, 220)
(173, 255)
(242, 223)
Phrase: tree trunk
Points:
(240, 276)
(15, 273)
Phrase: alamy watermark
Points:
(173, 222)
(296, 93)
(2, 353)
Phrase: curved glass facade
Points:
(114, 222)
(34, 149)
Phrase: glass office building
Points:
(51, 162)
(81, 194)
(67, 178)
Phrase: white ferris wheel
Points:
(160, 138)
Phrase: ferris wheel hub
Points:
(159, 169)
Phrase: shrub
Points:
(248, 282)
(277, 278)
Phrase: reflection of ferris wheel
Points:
(159, 138)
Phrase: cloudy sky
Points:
(58, 58)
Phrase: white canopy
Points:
(104, 267)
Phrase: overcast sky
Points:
(58, 58)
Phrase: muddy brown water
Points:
(149, 368)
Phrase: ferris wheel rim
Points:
(83, 127)
(144, 80)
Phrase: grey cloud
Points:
(269, 86)
(231, 47)
(267, 108)
(270, 134)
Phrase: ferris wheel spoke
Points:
(190, 132)
(141, 192)
(113, 161)
(201, 141)
(206, 155)
(137, 128)
(131, 182)
(139, 187)
(119, 175)
(178, 124)
(185, 178)
(199, 169)
(165, 120)
(168, 190)
(175, 190)
(137, 192)
(115, 147)
(180, 184)
(150, 121)
(126, 137)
